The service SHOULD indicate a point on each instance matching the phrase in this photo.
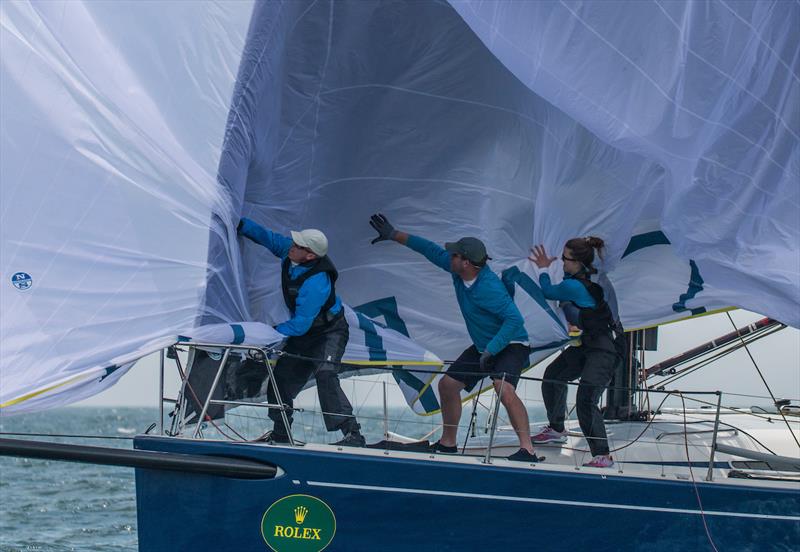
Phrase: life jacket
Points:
(291, 288)
(597, 322)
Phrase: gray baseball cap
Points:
(471, 249)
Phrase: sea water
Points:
(48, 505)
(58, 506)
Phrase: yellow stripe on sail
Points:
(422, 392)
(717, 311)
(33, 394)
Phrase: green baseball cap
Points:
(471, 249)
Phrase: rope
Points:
(691, 473)
(199, 403)
(646, 427)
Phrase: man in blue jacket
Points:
(317, 329)
(499, 340)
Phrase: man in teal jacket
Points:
(499, 340)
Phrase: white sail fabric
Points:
(709, 94)
(112, 117)
(253, 334)
(371, 343)
(134, 135)
(399, 108)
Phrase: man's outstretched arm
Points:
(431, 251)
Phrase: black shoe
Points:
(438, 447)
(352, 439)
(272, 438)
(523, 455)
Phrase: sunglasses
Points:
(565, 259)
(306, 249)
(464, 258)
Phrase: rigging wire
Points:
(748, 396)
(774, 401)
(734, 409)
(648, 390)
(701, 363)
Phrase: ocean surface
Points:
(60, 506)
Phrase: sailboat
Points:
(135, 136)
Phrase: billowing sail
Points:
(134, 136)
(113, 117)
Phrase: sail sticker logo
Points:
(298, 523)
(22, 281)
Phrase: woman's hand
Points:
(539, 257)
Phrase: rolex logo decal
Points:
(301, 523)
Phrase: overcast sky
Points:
(778, 356)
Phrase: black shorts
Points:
(512, 361)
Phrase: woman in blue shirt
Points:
(593, 361)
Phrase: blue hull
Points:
(396, 503)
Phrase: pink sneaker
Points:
(549, 435)
(600, 461)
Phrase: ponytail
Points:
(583, 251)
(597, 244)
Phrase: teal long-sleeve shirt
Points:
(312, 294)
(569, 289)
(493, 320)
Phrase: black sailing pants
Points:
(595, 367)
(292, 374)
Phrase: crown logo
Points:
(300, 514)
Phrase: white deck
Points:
(659, 452)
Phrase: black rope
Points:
(740, 430)
(646, 427)
(774, 401)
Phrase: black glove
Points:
(487, 361)
(382, 226)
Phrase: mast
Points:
(622, 403)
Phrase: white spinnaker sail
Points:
(709, 94)
(113, 117)
(135, 134)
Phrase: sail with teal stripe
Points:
(135, 135)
